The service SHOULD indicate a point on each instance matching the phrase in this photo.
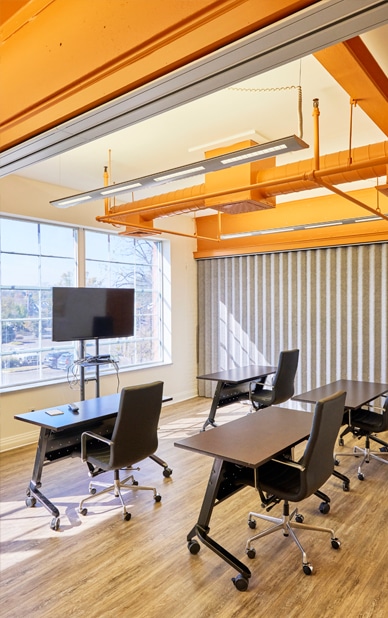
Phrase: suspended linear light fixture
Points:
(213, 164)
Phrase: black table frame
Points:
(233, 385)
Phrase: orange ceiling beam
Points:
(61, 58)
(354, 68)
(313, 210)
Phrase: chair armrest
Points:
(264, 385)
(290, 463)
(96, 436)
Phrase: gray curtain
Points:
(330, 303)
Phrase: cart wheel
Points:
(193, 547)
(240, 582)
(167, 472)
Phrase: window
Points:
(122, 261)
(36, 257)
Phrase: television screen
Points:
(92, 313)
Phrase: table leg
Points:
(33, 491)
(214, 406)
(223, 482)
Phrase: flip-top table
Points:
(239, 448)
(358, 393)
(233, 385)
(60, 437)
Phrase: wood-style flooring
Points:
(100, 566)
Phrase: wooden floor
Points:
(100, 566)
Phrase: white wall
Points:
(28, 198)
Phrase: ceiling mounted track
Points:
(321, 25)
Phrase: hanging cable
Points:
(299, 104)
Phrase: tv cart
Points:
(167, 471)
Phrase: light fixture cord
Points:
(299, 106)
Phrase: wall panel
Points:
(331, 303)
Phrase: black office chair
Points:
(366, 422)
(262, 395)
(288, 481)
(134, 438)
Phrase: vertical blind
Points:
(331, 303)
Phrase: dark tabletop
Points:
(358, 393)
(254, 438)
(237, 375)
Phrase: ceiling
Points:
(262, 108)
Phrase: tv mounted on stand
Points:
(80, 314)
(92, 313)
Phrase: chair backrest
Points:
(135, 435)
(284, 380)
(318, 457)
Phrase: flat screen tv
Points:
(92, 313)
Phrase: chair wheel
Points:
(308, 569)
(135, 482)
(127, 516)
(54, 525)
(193, 547)
(341, 441)
(251, 553)
(157, 498)
(335, 543)
(360, 476)
(240, 582)
(31, 501)
(252, 524)
(345, 486)
(92, 490)
(83, 511)
(324, 508)
(336, 462)
(299, 518)
(167, 472)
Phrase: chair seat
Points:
(264, 397)
(100, 457)
(286, 480)
(369, 421)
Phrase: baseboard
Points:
(21, 439)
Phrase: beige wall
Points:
(29, 198)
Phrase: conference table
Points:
(239, 448)
(233, 385)
(60, 437)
